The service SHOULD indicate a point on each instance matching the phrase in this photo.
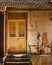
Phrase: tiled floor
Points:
(41, 60)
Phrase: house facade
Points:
(21, 22)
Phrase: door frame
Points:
(26, 24)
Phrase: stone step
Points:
(17, 59)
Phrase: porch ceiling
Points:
(26, 4)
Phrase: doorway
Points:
(17, 33)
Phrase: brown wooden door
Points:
(16, 38)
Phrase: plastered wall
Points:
(39, 21)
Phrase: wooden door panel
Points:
(16, 38)
(22, 35)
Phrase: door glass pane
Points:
(21, 29)
(12, 29)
